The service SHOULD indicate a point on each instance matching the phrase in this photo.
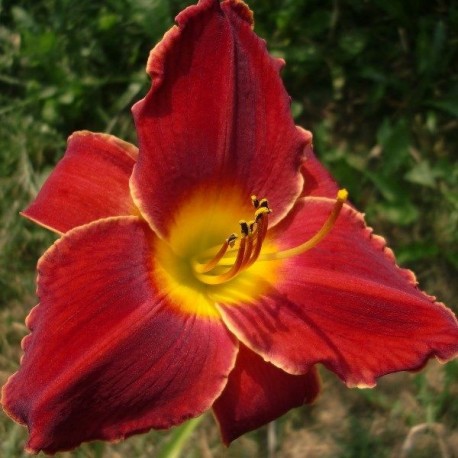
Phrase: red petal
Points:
(317, 180)
(217, 112)
(90, 182)
(108, 356)
(344, 303)
(258, 392)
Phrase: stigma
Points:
(240, 251)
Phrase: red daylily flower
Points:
(152, 311)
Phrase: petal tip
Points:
(31, 451)
(242, 10)
(280, 64)
(446, 359)
(28, 214)
(156, 63)
(362, 385)
(306, 134)
(78, 133)
(5, 404)
(128, 148)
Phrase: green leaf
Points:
(178, 438)
(416, 252)
(388, 186)
(402, 213)
(395, 141)
(422, 174)
(448, 106)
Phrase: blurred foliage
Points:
(377, 83)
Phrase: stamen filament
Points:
(342, 196)
(209, 265)
(261, 235)
(248, 251)
(255, 201)
(231, 273)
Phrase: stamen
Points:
(249, 246)
(231, 239)
(262, 223)
(202, 268)
(261, 232)
(260, 212)
(341, 198)
(253, 234)
(234, 270)
(244, 229)
(255, 201)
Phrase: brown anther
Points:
(244, 229)
(231, 239)
(255, 201)
(260, 212)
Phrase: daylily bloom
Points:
(212, 268)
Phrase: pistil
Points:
(341, 198)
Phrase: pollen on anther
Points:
(260, 212)
(255, 201)
(244, 229)
(231, 239)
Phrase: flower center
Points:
(195, 271)
(248, 249)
